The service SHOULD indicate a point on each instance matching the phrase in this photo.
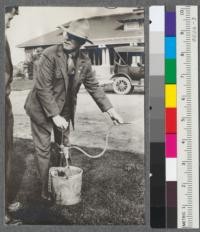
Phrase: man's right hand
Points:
(60, 122)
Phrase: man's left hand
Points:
(115, 117)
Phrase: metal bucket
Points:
(66, 188)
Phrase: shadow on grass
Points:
(112, 190)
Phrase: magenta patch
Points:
(170, 146)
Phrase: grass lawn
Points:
(113, 185)
(112, 191)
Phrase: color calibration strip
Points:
(170, 119)
(157, 115)
(174, 117)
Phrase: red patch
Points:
(170, 119)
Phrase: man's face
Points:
(71, 44)
(8, 17)
(39, 51)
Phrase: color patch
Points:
(157, 65)
(157, 17)
(170, 147)
(170, 47)
(170, 96)
(158, 47)
(170, 120)
(171, 217)
(171, 193)
(170, 71)
(171, 173)
(170, 23)
(171, 202)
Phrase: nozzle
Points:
(65, 152)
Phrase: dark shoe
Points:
(11, 221)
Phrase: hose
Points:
(105, 146)
(83, 152)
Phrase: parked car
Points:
(125, 76)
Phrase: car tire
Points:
(122, 85)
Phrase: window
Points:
(112, 56)
(130, 26)
(95, 55)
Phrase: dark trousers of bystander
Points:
(9, 121)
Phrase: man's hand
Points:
(60, 122)
(115, 117)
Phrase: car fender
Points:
(121, 74)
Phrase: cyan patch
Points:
(170, 47)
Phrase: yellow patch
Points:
(170, 96)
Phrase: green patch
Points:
(170, 71)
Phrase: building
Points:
(107, 32)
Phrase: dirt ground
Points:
(91, 125)
(113, 185)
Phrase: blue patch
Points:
(170, 47)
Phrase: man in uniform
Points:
(51, 104)
(10, 206)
